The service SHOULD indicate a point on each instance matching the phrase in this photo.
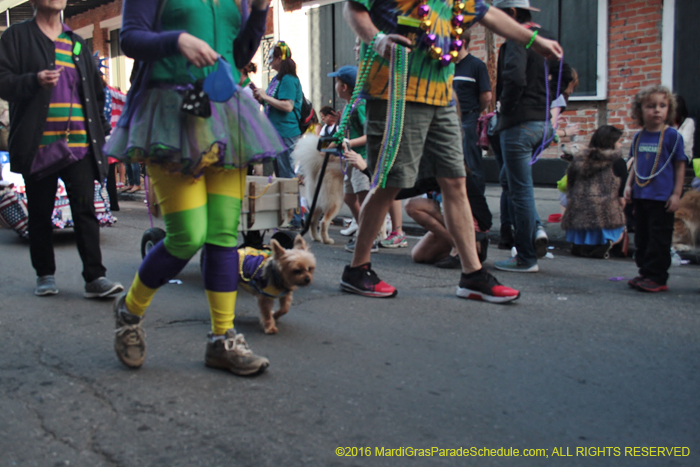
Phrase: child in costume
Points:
(196, 164)
(654, 185)
(594, 219)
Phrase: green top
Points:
(286, 123)
(216, 22)
(357, 126)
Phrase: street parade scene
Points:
(464, 232)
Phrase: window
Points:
(581, 29)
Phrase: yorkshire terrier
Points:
(275, 274)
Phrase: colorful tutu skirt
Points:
(236, 135)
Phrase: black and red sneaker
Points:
(633, 282)
(648, 285)
(362, 280)
(481, 285)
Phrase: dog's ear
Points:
(300, 243)
(277, 250)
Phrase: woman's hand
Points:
(196, 51)
(49, 78)
(623, 202)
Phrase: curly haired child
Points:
(654, 185)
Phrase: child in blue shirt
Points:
(654, 185)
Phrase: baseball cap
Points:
(524, 4)
(347, 74)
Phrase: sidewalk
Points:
(546, 200)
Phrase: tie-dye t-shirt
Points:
(429, 82)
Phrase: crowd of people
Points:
(198, 149)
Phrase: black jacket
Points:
(25, 51)
(520, 84)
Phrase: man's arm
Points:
(358, 18)
(485, 100)
(503, 25)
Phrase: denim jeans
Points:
(517, 145)
(283, 162)
(133, 173)
(472, 153)
(284, 169)
(506, 221)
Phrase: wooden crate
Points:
(269, 203)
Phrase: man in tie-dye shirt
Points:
(431, 136)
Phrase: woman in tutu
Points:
(196, 163)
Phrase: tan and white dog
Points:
(330, 198)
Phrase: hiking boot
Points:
(232, 353)
(481, 285)
(633, 282)
(101, 288)
(350, 229)
(507, 240)
(362, 280)
(514, 265)
(601, 251)
(129, 338)
(450, 262)
(350, 246)
(648, 285)
(541, 242)
(394, 240)
(45, 285)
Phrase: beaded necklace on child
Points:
(652, 174)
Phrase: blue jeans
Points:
(506, 222)
(472, 153)
(133, 173)
(285, 169)
(283, 162)
(517, 146)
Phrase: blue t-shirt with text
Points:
(646, 144)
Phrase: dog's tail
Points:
(307, 156)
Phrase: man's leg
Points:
(517, 145)
(372, 218)
(472, 153)
(459, 221)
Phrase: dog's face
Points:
(295, 266)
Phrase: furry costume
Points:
(593, 192)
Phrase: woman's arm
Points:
(140, 39)
(248, 40)
(286, 105)
(15, 85)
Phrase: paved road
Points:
(578, 362)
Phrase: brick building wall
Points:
(100, 36)
(634, 61)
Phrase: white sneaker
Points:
(541, 242)
(350, 231)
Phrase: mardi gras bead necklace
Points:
(393, 130)
(398, 81)
(458, 21)
(654, 172)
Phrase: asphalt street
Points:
(579, 364)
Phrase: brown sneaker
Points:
(232, 353)
(130, 338)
